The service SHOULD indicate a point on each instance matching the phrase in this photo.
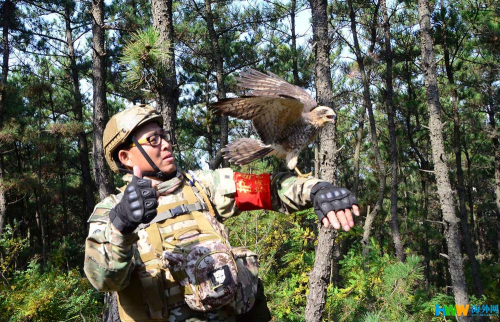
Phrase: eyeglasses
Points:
(155, 139)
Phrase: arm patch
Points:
(102, 209)
(99, 215)
(253, 191)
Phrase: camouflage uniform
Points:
(114, 261)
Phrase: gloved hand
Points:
(138, 204)
(333, 205)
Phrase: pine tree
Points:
(320, 274)
(440, 160)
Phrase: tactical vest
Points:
(188, 260)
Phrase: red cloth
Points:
(253, 191)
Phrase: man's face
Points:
(161, 154)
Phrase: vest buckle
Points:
(179, 210)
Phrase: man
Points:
(160, 243)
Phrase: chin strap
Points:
(158, 174)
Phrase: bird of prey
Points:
(286, 118)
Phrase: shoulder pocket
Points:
(226, 183)
(102, 209)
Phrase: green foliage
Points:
(49, 294)
(42, 174)
(288, 264)
(378, 288)
(145, 57)
(11, 246)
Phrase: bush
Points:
(50, 294)
(378, 288)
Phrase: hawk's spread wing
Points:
(273, 86)
(270, 115)
(285, 116)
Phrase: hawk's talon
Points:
(301, 175)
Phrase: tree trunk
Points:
(7, 9)
(110, 313)
(221, 89)
(496, 147)
(424, 177)
(359, 135)
(396, 237)
(102, 175)
(168, 94)
(320, 274)
(498, 240)
(451, 222)
(61, 167)
(425, 246)
(39, 191)
(83, 150)
(467, 241)
(295, 65)
(367, 102)
(209, 132)
(357, 149)
(470, 200)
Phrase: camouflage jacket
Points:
(111, 257)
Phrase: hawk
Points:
(285, 116)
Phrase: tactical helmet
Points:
(122, 124)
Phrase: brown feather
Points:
(274, 86)
(270, 115)
(244, 151)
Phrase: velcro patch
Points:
(220, 277)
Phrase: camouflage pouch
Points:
(248, 279)
(153, 293)
(202, 263)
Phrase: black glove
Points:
(138, 206)
(327, 197)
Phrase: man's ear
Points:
(124, 157)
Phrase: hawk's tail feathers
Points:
(243, 151)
